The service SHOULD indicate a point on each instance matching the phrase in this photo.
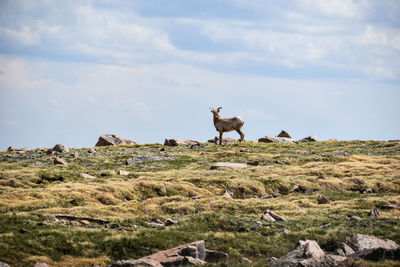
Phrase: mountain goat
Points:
(227, 124)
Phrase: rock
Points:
(87, 176)
(11, 149)
(354, 218)
(124, 173)
(377, 254)
(361, 242)
(228, 194)
(244, 260)
(322, 200)
(253, 162)
(141, 159)
(3, 264)
(170, 222)
(308, 253)
(388, 207)
(156, 223)
(173, 142)
(214, 256)
(284, 134)
(374, 213)
(61, 161)
(188, 254)
(367, 191)
(60, 148)
(231, 165)
(113, 140)
(196, 197)
(92, 150)
(274, 139)
(347, 249)
(298, 189)
(311, 138)
(85, 222)
(271, 217)
(225, 140)
(41, 264)
(163, 149)
(76, 155)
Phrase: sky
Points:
(71, 71)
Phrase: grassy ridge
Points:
(32, 187)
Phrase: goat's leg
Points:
(241, 134)
(220, 138)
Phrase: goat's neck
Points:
(217, 117)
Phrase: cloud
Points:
(258, 115)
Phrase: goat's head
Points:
(215, 111)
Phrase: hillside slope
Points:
(355, 176)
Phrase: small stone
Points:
(122, 172)
(76, 155)
(245, 260)
(228, 194)
(41, 264)
(253, 162)
(367, 191)
(85, 222)
(321, 177)
(322, 200)
(88, 176)
(170, 222)
(230, 165)
(163, 149)
(163, 190)
(354, 218)
(195, 197)
(272, 217)
(298, 189)
(374, 213)
(92, 150)
(285, 231)
(61, 161)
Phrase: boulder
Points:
(322, 200)
(311, 138)
(274, 139)
(284, 134)
(377, 254)
(61, 161)
(308, 253)
(3, 264)
(113, 140)
(188, 254)
(214, 256)
(361, 242)
(60, 148)
(12, 149)
(173, 142)
(272, 217)
(230, 165)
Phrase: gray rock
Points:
(113, 140)
(298, 189)
(354, 218)
(141, 159)
(367, 191)
(60, 148)
(3, 264)
(311, 138)
(377, 254)
(214, 256)
(41, 264)
(374, 213)
(284, 134)
(173, 142)
(188, 254)
(388, 207)
(322, 200)
(308, 253)
(123, 173)
(92, 150)
(230, 165)
(87, 176)
(225, 140)
(274, 139)
(170, 221)
(361, 242)
(271, 216)
(228, 194)
(61, 161)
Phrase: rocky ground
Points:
(275, 202)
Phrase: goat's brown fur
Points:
(227, 124)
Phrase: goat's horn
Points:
(219, 108)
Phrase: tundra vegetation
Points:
(33, 188)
